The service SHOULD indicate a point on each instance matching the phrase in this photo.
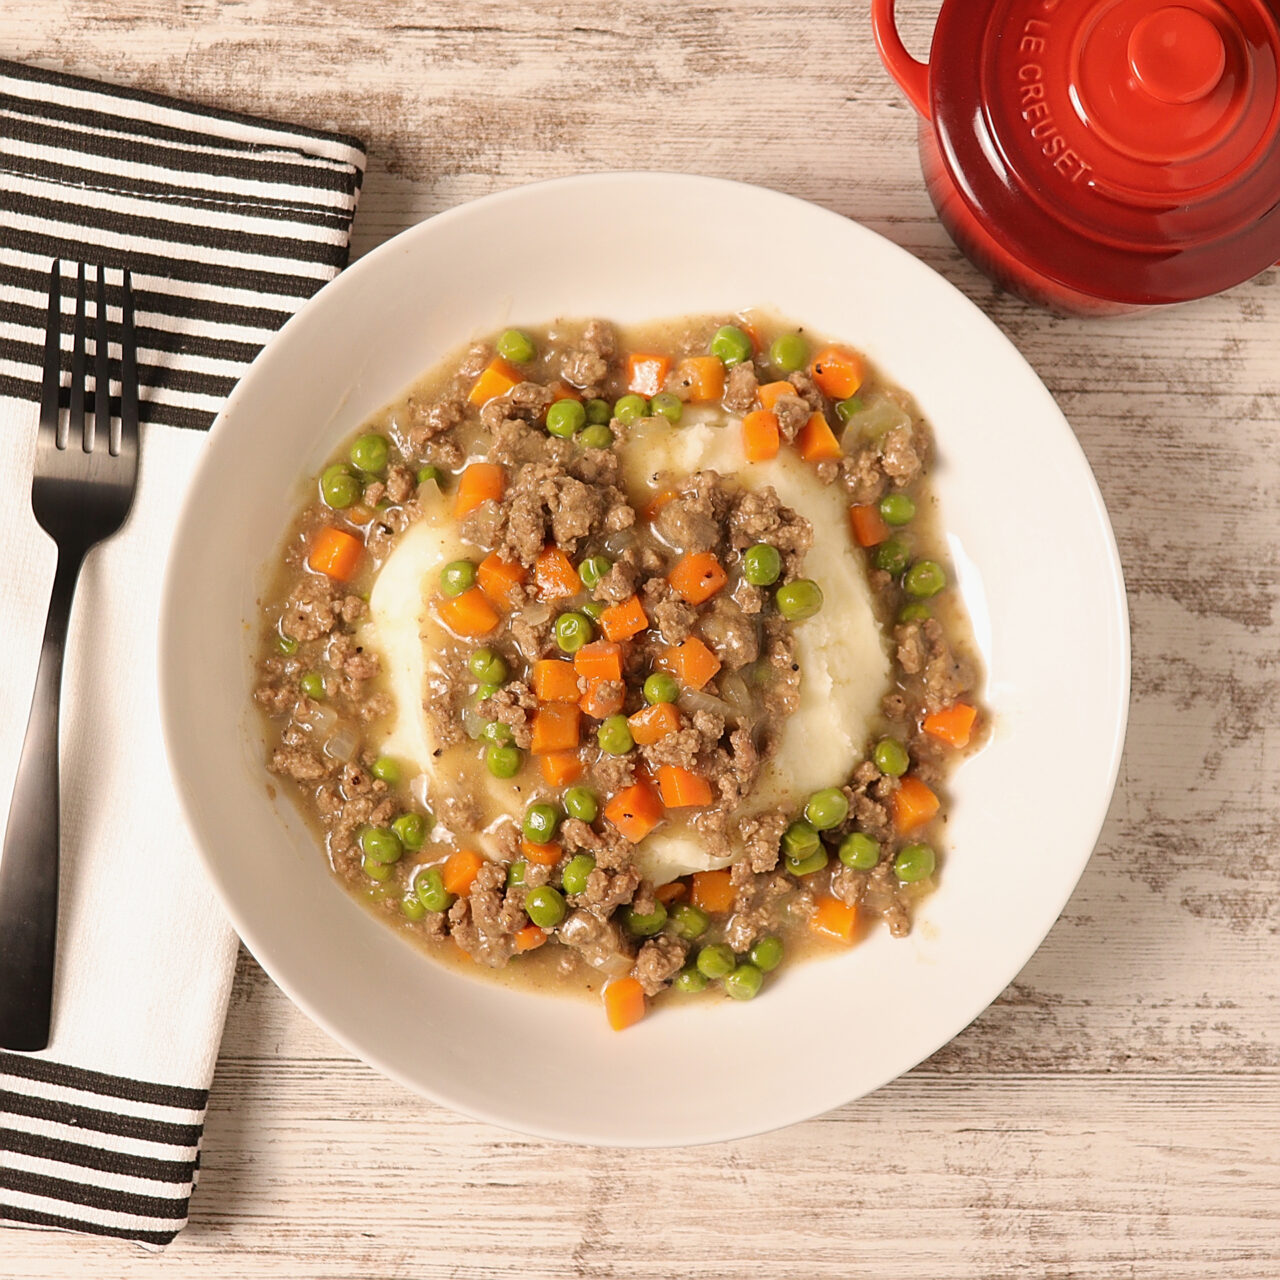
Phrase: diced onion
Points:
(319, 718)
(342, 744)
(879, 415)
(693, 700)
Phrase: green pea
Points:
(515, 346)
(630, 408)
(339, 487)
(914, 862)
(286, 644)
(891, 757)
(573, 630)
(515, 872)
(411, 907)
(430, 473)
(576, 872)
(826, 809)
(598, 413)
(893, 555)
(665, 405)
(614, 735)
(859, 851)
(845, 409)
(566, 418)
(924, 579)
(487, 666)
(593, 609)
(592, 571)
(716, 960)
(744, 982)
(497, 732)
(387, 769)
(800, 840)
(580, 803)
(897, 509)
(762, 565)
(767, 953)
(503, 762)
(541, 821)
(457, 576)
(312, 684)
(375, 870)
(545, 906)
(799, 600)
(689, 921)
(381, 844)
(915, 612)
(808, 865)
(731, 345)
(788, 352)
(645, 926)
(596, 436)
(689, 982)
(660, 687)
(370, 453)
(429, 887)
(485, 692)
(411, 828)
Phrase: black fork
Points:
(82, 487)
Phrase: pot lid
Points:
(1129, 148)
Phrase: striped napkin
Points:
(228, 224)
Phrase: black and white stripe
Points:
(227, 224)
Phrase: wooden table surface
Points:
(1115, 1114)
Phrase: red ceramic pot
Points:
(1101, 156)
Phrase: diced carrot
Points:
(837, 371)
(497, 578)
(544, 855)
(460, 870)
(869, 528)
(670, 892)
(599, 660)
(655, 504)
(753, 333)
(816, 441)
(913, 804)
(561, 391)
(682, 788)
(702, 376)
(654, 722)
(953, 724)
(603, 698)
(712, 890)
(555, 681)
(772, 392)
(555, 728)
(497, 378)
(635, 811)
(561, 768)
(692, 663)
(647, 374)
(833, 919)
(469, 614)
(624, 1003)
(555, 575)
(622, 621)
(335, 552)
(530, 938)
(698, 576)
(761, 435)
(480, 482)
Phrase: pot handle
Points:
(912, 76)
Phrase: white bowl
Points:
(1036, 561)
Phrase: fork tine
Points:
(128, 434)
(101, 371)
(75, 426)
(51, 389)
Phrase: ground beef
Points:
(761, 837)
(740, 388)
(869, 794)
(899, 458)
(309, 612)
(608, 890)
(618, 584)
(297, 763)
(759, 516)
(863, 480)
(733, 635)
(275, 699)
(543, 503)
(688, 523)
(757, 905)
(806, 389)
(792, 413)
(945, 678)
(426, 421)
(577, 834)
(598, 941)
(613, 773)
(586, 370)
(673, 618)
(659, 961)
(511, 705)
(480, 924)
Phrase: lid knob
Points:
(1177, 54)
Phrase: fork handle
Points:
(29, 863)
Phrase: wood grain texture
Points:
(1116, 1114)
